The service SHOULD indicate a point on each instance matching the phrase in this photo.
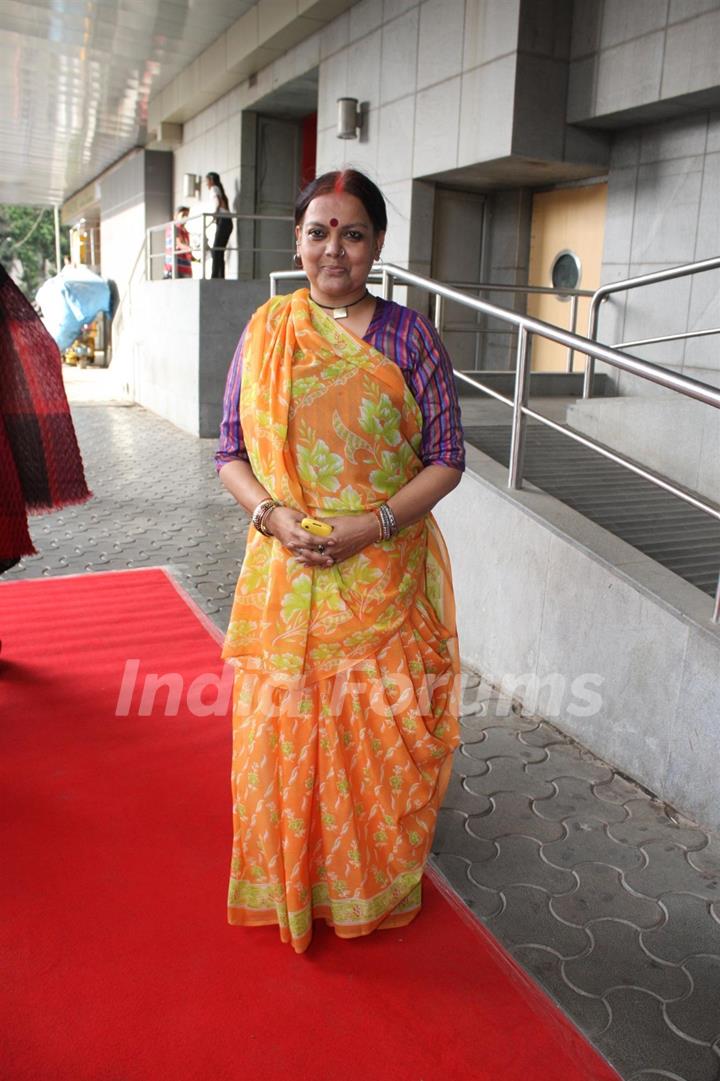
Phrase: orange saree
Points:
(345, 697)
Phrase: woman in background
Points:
(223, 224)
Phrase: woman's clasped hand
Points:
(351, 533)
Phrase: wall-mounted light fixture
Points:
(349, 120)
(192, 185)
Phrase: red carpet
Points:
(117, 961)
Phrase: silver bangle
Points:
(388, 521)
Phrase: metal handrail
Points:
(572, 295)
(376, 275)
(527, 326)
(668, 338)
(504, 287)
(601, 294)
(208, 218)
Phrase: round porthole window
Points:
(566, 270)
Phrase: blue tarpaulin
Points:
(71, 299)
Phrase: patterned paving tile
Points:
(451, 836)
(618, 960)
(639, 1039)
(591, 1012)
(509, 813)
(517, 860)
(480, 716)
(458, 798)
(505, 742)
(706, 860)
(526, 920)
(586, 840)
(508, 775)
(543, 735)
(698, 1014)
(484, 902)
(576, 795)
(601, 893)
(469, 765)
(648, 820)
(568, 760)
(686, 931)
(668, 869)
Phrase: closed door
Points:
(457, 257)
(279, 147)
(566, 242)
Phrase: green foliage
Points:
(27, 245)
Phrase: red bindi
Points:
(333, 222)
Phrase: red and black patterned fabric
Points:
(40, 464)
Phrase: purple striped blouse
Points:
(413, 343)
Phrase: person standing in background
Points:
(177, 245)
(41, 467)
(223, 224)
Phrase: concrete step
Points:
(657, 523)
(681, 437)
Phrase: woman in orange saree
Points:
(345, 703)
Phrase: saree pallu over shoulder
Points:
(331, 428)
(345, 707)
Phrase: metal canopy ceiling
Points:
(75, 79)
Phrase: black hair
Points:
(352, 182)
(216, 182)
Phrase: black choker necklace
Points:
(340, 313)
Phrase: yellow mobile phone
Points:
(318, 529)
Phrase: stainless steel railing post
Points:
(573, 330)
(204, 248)
(601, 294)
(387, 284)
(519, 420)
(439, 312)
(592, 335)
(716, 609)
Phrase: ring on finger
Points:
(321, 549)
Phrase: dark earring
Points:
(297, 261)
